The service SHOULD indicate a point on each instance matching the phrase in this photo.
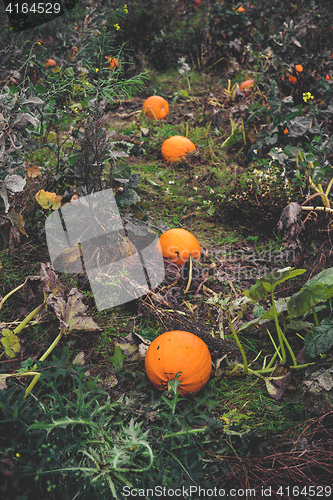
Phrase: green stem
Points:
(291, 352)
(188, 82)
(11, 293)
(244, 136)
(273, 358)
(299, 367)
(245, 367)
(31, 385)
(329, 187)
(315, 316)
(181, 433)
(279, 331)
(52, 346)
(275, 347)
(45, 355)
(26, 320)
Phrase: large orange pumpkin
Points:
(175, 147)
(178, 351)
(156, 107)
(177, 244)
(247, 87)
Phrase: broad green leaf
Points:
(317, 289)
(256, 292)
(281, 306)
(320, 339)
(279, 276)
(269, 282)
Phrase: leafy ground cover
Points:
(78, 416)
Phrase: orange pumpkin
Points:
(177, 244)
(175, 147)
(50, 62)
(247, 87)
(178, 351)
(155, 107)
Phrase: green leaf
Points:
(10, 342)
(63, 423)
(271, 140)
(320, 339)
(72, 159)
(281, 306)
(317, 289)
(117, 359)
(269, 282)
(299, 126)
(256, 292)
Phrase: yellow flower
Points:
(125, 8)
(116, 26)
(307, 96)
(17, 455)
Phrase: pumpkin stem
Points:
(190, 276)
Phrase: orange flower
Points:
(286, 131)
(328, 77)
(299, 68)
(50, 62)
(240, 9)
(292, 79)
(112, 62)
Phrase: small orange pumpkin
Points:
(50, 62)
(247, 87)
(178, 352)
(175, 147)
(155, 107)
(178, 244)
